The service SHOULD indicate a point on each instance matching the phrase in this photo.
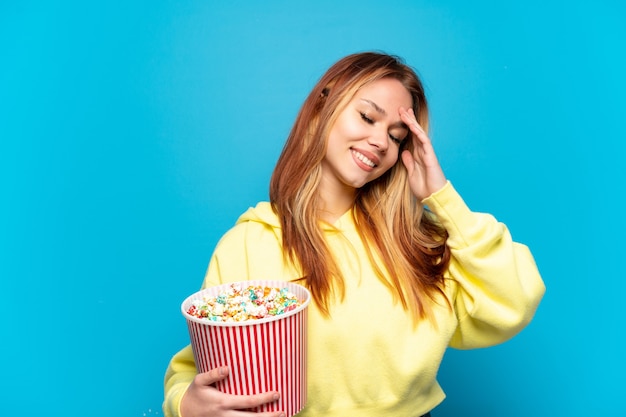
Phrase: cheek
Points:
(391, 159)
(385, 166)
(347, 128)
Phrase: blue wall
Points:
(132, 135)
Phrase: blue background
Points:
(133, 134)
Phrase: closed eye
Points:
(366, 119)
(395, 139)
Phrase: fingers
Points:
(212, 376)
(408, 161)
(421, 140)
(424, 172)
(203, 399)
(408, 117)
(244, 402)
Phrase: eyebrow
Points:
(383, 112)
(375, 106)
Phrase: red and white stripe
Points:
(263, 355)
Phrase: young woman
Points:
(398, 267)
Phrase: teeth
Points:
(364, 159)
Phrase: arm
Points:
(495, 284)
(189, 394)
(180, 372)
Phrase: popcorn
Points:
(241, 303)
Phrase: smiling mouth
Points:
(363, 158)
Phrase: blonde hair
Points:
(394, 226)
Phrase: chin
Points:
(357, 184)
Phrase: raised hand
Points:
(425, 173)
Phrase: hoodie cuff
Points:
(462, 224)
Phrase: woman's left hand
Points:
(425, 173)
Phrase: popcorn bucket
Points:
(267, 354)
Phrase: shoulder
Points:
(252, 249)
(256, 225)
(261, 214)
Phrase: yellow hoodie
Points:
(368, 359)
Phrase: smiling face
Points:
(364, 141)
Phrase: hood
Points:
(261, 213)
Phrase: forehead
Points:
(386, 92)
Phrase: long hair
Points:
(396, 229)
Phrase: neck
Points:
(335, 201)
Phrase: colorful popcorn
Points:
(241, 303)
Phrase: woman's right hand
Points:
(202, 399)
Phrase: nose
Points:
(380, 140)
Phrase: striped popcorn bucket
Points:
(267, 354)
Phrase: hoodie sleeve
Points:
(178, 377)
(495, 285)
